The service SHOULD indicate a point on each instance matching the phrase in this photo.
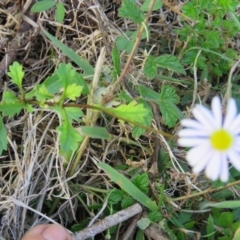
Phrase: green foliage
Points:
(16, 74)
(211, 35)
(166, 101)
(87, 68)
(48, 4)
(128, 187)
(166, 61)
(3, 139)
(130, 10)
(142, 182)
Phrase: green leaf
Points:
(148, 94)
(10, 109)
(237, 234)
(116, 61)
(169, 62)
(124, 44)
(129, 9)
(42, 5)
(79, 80)
(16, 74)
(42, 94)
(132, 111)
(155, 216)
(115, 196)
(60, 12)
(95, 132)
(142, 182)
(223, 204)
(73, 91)
(143, 223)
(87, 68)
(225, 220)
(157, 5)
(210, 228)
(147, 120)
(169, 110)
(168, 93)
(128, 187)
(69, 137)
(127, 201)
(73, 113)
(9, 97)
(66, 73)
(150, 67)
(3, 137)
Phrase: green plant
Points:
(44, 5)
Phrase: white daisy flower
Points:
(214, 140)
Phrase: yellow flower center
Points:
(221, 140)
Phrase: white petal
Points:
(190, 142)
(214, 166)
(190, 123)
(237, 142)
(234, 126)
(192, 133)
(234, 158)
(200, 165)
(231, 113)
(224, 174)
(204, 116)
(217, 111)
(198, 153)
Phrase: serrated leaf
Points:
(155, 216)
(150, 67)
(143, 223)
(60, 12)
(73, 113)
(128, 187)
(129, 9)
(142, 182)
(115, 196)
(66, 73)
(42, 5)
(157, 5)
(169, 112)
(127, 201)
(124, 44)
(79, 80)
(147, 120)
(168, 93)
(167, 101)
(95, 132)
(16, 74)
(69, 137)
(132, 111)
(3, 137)
(9, 97)
(42, 94)
(73, 91)
(116, 61)
(169, 62)
(10, 109)
(87, 68)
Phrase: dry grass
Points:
(32, 172)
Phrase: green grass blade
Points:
(128, 187)
(87, 68)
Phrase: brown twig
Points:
(108, 222)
